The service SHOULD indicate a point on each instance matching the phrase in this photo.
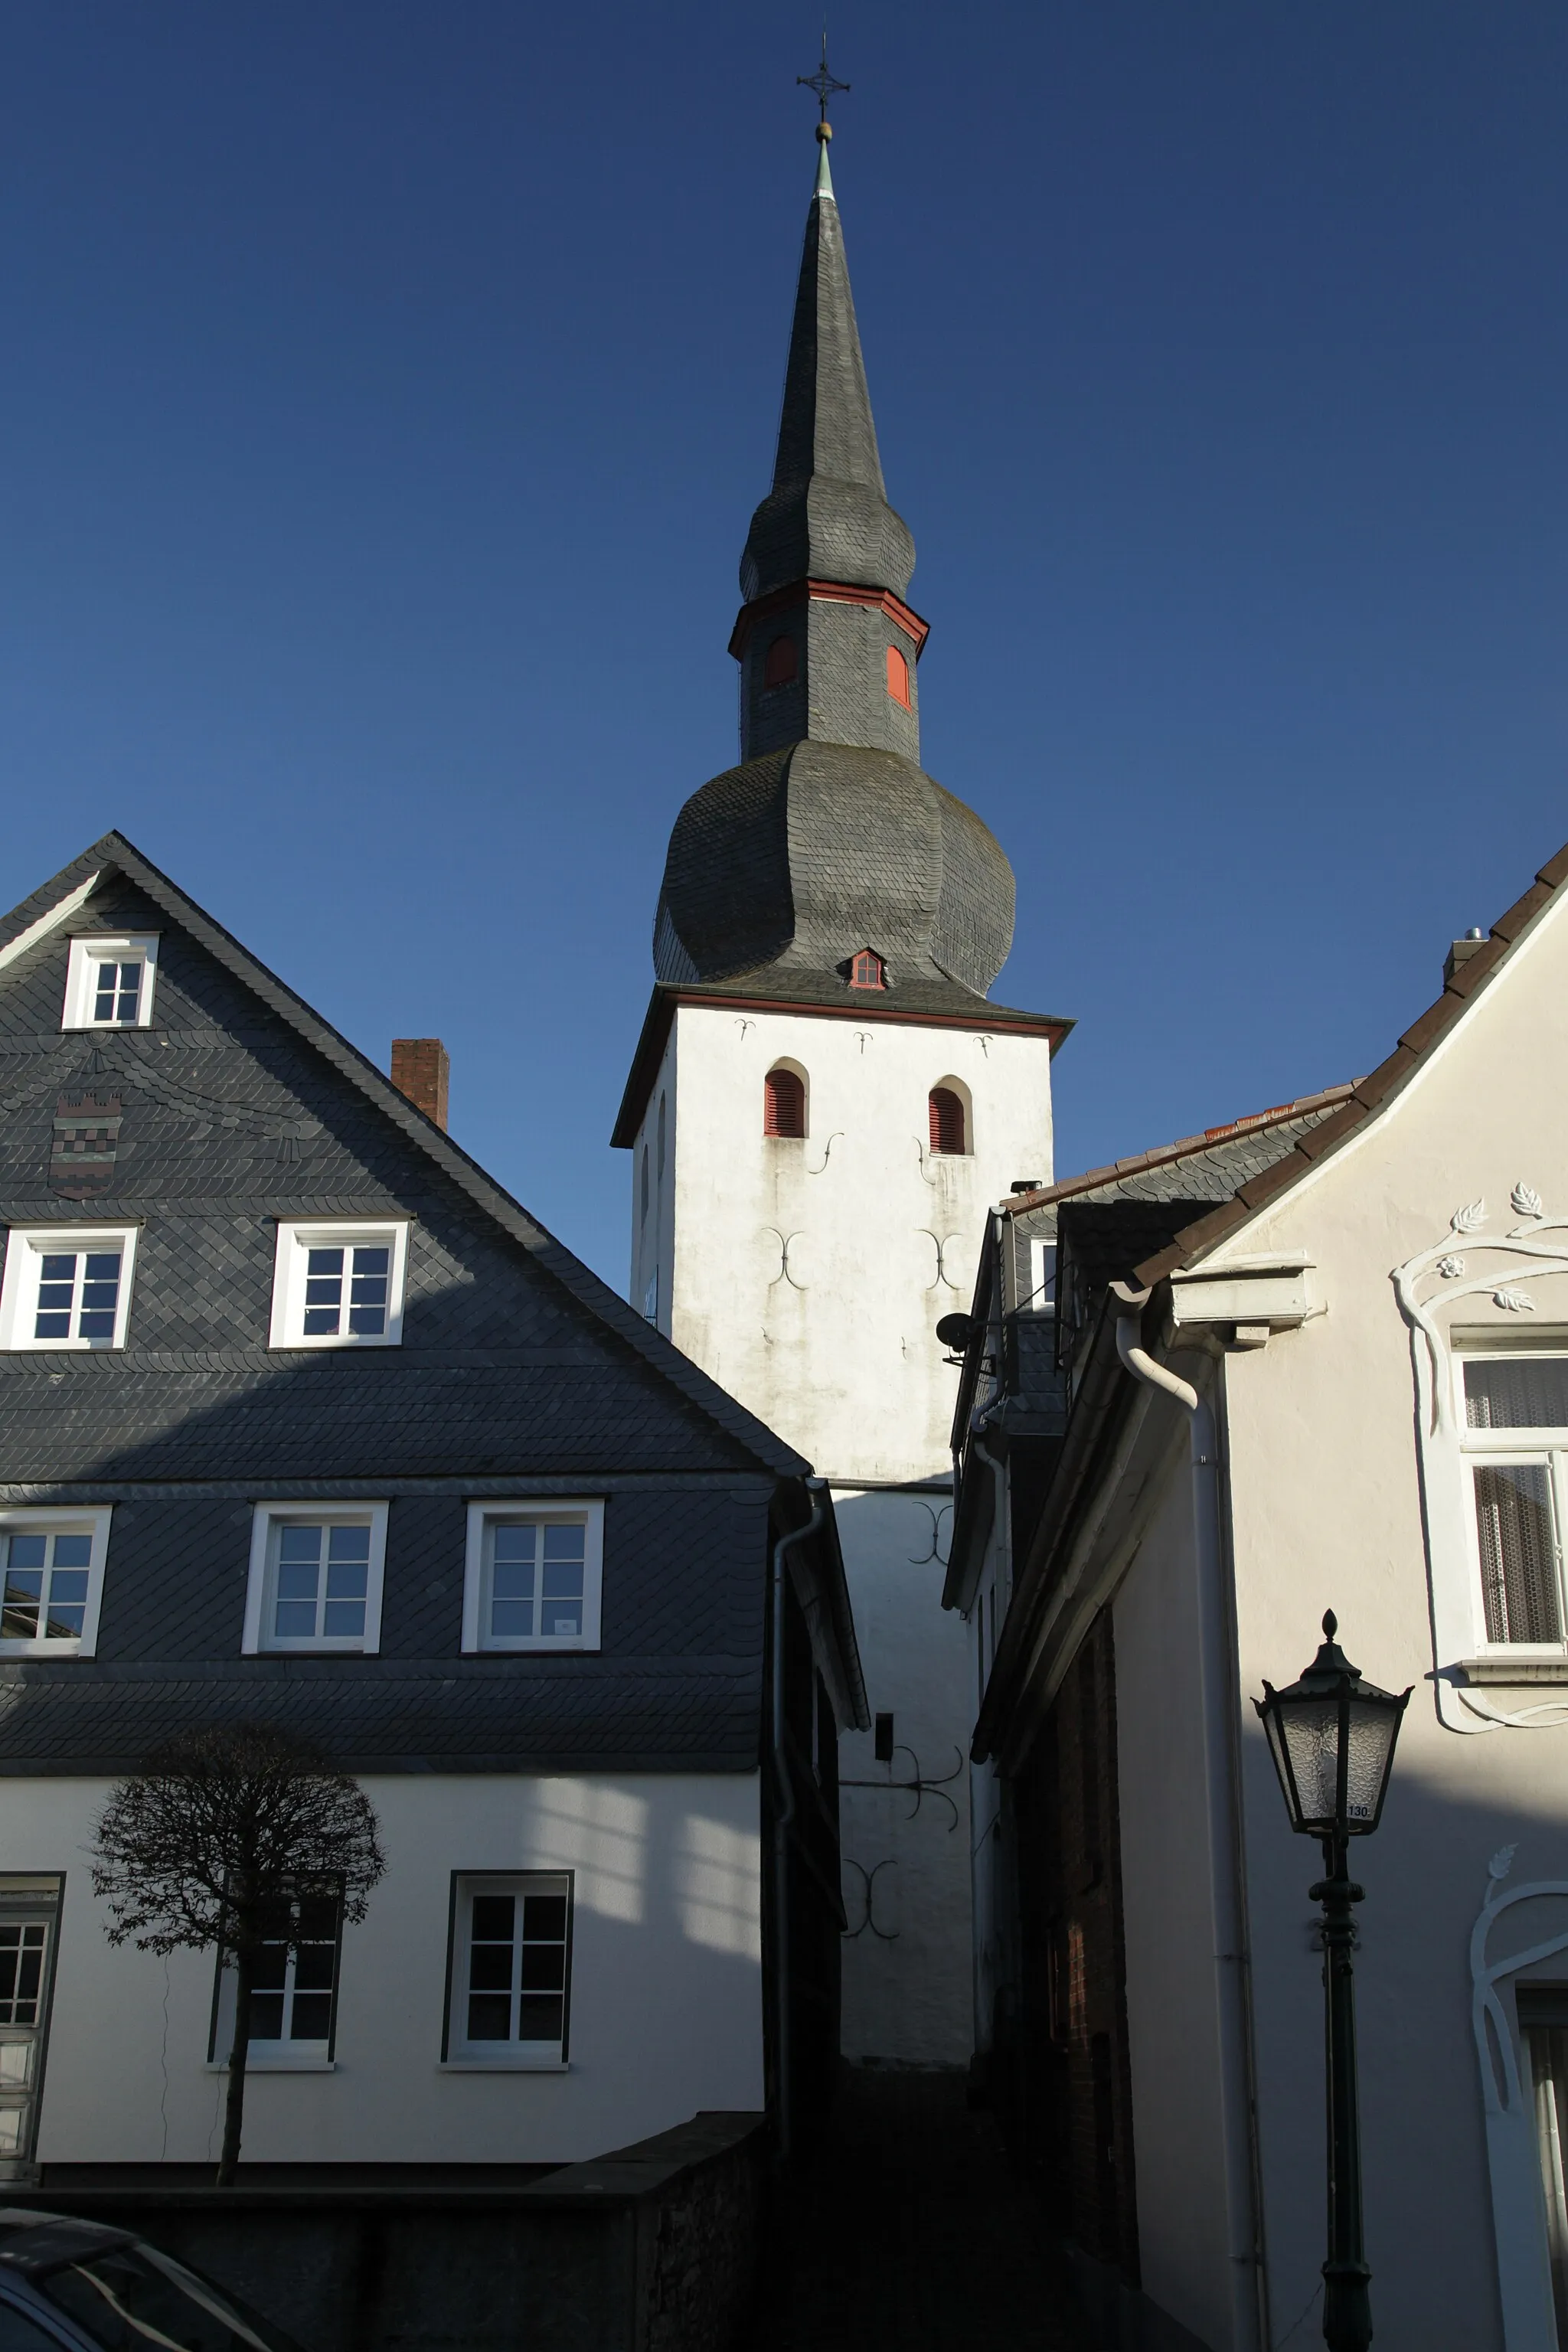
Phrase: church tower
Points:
(822, 1106)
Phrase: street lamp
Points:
(1331, 1737)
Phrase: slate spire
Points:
(826, 515)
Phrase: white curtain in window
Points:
(1549, 2065)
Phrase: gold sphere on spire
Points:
(825, 131)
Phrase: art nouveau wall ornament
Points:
(1519, 2219)
(1499, 1261)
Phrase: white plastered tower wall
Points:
(807, 1275)
(1348, 1489)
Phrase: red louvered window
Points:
(783, 662)
(867, 969)
(947, 1121)
(898, 677)
(783, 1103)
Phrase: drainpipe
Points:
(1224, 1828)
(787, 1811)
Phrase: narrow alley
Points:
(910, 2233)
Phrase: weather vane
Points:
(822, 83)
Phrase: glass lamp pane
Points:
(1372, 1727)
(1309, 1729)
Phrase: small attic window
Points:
(898, 677)
(783, 1103)
(782, 666)
(947, 1122)
(867, 971)
(109, 981)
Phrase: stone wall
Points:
(653, 2248)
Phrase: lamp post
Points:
(1331, 1737)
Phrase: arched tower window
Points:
(783, 1103)
(782, 664)
(899, 676)
(661, 1102)
(644, 1205)
(867, 970)
(947, 1121)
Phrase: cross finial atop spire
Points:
(824, 84)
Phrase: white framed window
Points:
(294, 2000)
(66, 1286)
(533, 1575)
(509, 1975)
(1513, 1422)
(337, 1285)
(315, 1576)
(110, 981)
(51, 1581)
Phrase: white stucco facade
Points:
(808, 1276)
(666, 2001)
(1435, 1237)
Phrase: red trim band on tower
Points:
(827, 592)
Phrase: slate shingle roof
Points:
(518, 1372)
(826, 515)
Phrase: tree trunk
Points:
(234, 2104)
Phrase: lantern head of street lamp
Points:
(1331, 1737)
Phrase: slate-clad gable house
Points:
(303, 1419)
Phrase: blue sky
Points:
(386, 391)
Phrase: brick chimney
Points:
(420, 1067)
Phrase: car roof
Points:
(38, 2241)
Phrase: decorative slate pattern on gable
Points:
(237, 1107)
(223, 1132)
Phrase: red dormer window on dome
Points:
(899, 676)
(781, 666)
(867, 971)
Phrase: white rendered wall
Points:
(808, 1277)
(906, 2001)
(666, 2014)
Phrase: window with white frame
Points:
(110, 981)
(315, 1576)
(66, 1286)
(293, 2001)
(533, 1575)
(51, 1581)
(510, 1978)
(1515, 1443)
(339, 1285)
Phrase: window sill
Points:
(538, 1647)
(504, 2066)
(318, 1347)
(313, 1650)
(255, 2065)
(1496, 1668)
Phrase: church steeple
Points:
(826, 516)
(826, 645)
(829, 848)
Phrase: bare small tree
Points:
(215, 1844)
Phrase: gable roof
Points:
(1215, 1163)
(57, 900)
(1369, 1095)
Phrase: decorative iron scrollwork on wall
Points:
(920, 1785)
(868, 1882)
